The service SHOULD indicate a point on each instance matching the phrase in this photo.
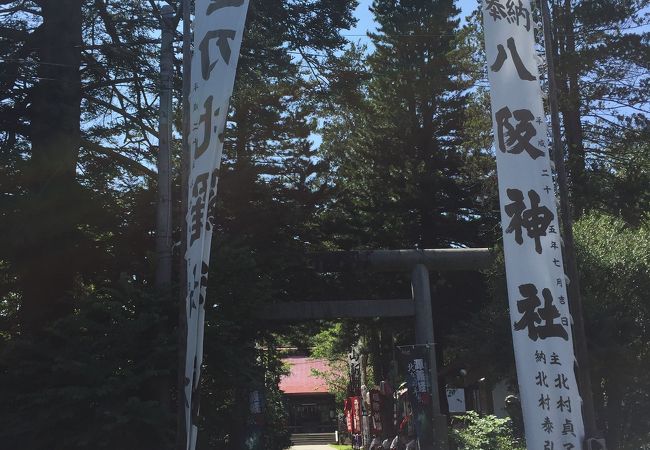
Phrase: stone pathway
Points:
(311, 447)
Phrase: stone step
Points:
(312, 438)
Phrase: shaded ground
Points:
(311, 447)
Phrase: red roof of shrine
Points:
(301, 380)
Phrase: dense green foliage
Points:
(88, 350)
(474, 432)
(615, 277)
(90, 381)
(329, 345)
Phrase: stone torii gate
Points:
(418, 262)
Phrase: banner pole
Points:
(164, 204)
(573, 288)
(181, 431)
(163, 260)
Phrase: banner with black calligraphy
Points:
(218, 32)
(354, 371)
(414, 359)
(541, 323)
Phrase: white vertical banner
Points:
(541, 323)
(218, 31)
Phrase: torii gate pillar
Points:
(424, 336)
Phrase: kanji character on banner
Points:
(516, 139)
(502, 57)
(533, 315)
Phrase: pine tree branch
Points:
(122, 109)
(109, 25)
(107, 83)
(11, 69)
(122, 160)
(123, 113)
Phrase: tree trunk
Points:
(48, 253)
(570, 107)
(614, 411)
(376, 355)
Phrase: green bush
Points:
(473, 432)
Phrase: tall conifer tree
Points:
(601, 58)
(401, 162)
